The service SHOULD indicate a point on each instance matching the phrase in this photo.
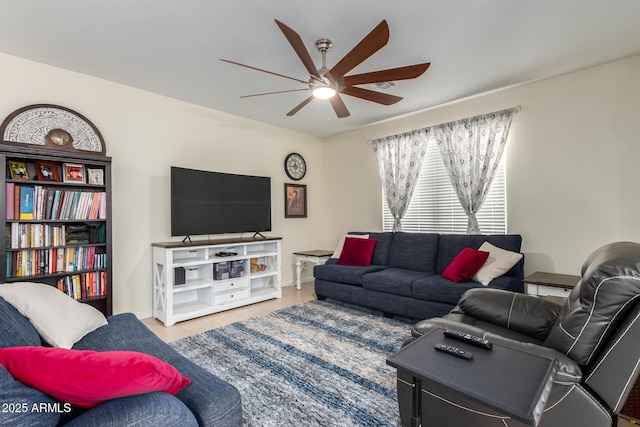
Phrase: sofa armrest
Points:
(522, 313)
(149, 409)
(213, 401)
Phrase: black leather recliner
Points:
(595, 336)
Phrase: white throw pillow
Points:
(338, 251)
(59, 319)
(499, 262)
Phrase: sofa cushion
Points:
(357, 251)
(414, 251)
(88, 378)
(508, 283)
(465, 265)
(59, 319)
(149, 409)
(437, 288)
(450, 245)
(347, 274)
(338, 250)
(383, 246)
(396, 281)
(20, 401)
(15, 329)
(499, 262)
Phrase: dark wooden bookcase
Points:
(85, 271)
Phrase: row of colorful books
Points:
(27, 235)
(38, 202)
(37, 235)
(37, 262)
(84, 286)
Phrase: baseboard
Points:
(143, 315)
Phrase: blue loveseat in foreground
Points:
(404, 277)
(207, 401)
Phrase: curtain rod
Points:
(516, 109)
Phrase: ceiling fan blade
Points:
(299, 106)
(370, 95)
(338, 106)
(392, 74)
(264, 71)
(298, 45)
(272, 93)
(373, 42)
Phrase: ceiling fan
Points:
(325, 83)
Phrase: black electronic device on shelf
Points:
(225, 254)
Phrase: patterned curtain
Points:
(399, 162)
(471, 149)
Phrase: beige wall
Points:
(145, 134)
(572, 174)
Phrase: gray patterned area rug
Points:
(321, 363)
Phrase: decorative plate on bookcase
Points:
(52, 126)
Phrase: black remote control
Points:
(455, 351)
(471, 339)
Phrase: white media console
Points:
(193, 279)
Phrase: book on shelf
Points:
(26, 202)
(49, 203)
(36, 262)
(10, 197)
(38, 202)
(30, 235)
(16, 202)
(84, 286)
(36, 235)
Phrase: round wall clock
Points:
(295, 166)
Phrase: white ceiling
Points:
(173, 47)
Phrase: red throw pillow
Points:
(465, 265)
(357, 251)
(88, 378)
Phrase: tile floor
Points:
(290, 296)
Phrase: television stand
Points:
(187, 238)
(257, 233)
(191, 279)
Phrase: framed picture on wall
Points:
(295, 201)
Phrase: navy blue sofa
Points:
(207, 401)
(404, 277)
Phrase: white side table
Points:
(317, 256)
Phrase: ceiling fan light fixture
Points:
(331, 84)
(324, 92)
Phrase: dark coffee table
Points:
(510, 381)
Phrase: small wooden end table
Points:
(317, 256)
(550, 284)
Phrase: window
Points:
(435, 208)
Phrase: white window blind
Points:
(435, 208)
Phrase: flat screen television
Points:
(204, 202)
